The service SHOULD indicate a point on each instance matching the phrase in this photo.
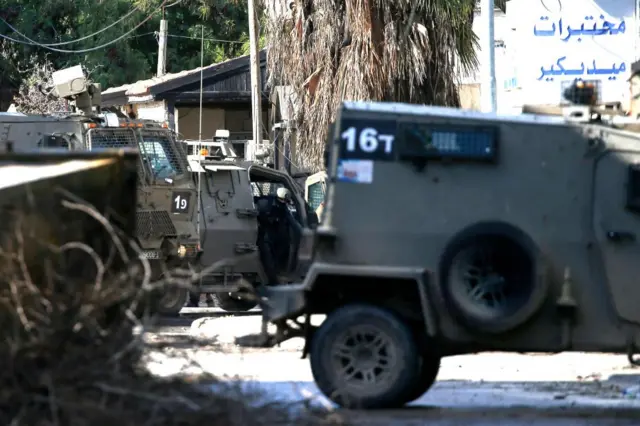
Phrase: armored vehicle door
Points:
(228, 220)
(616, 221)
(291, 244)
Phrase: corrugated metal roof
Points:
(142, 87)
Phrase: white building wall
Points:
(521, 54)
(557, 41)
(156, 111)
(507, 84)
(501, 33)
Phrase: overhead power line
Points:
(131, 12)
(206, 39)
(48, 47)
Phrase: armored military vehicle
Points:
(247, 209)
(166, 202)
(450, 232)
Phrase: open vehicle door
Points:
(265, 182)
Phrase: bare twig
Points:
(94, 256)
(103, 221)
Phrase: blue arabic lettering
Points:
(547, 74)
(544, 33)
(585, 29)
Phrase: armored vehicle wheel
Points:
(172, 301)
(233, 302)
(429, 368)
(364, 356)
(490, 283)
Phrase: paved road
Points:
(482, 390)
(180, 325)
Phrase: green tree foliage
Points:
(134, 58)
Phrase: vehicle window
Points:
(316, 195)
(158, 160)
(53, 141)
(161, 153)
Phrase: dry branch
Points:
(69, 353)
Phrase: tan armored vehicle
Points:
(448, 232)
(248, 211)
(166, 201)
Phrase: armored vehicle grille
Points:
(160, 143)
(154, 224)
(182, 148)
(264, 188)
(316, 195)
(114, 138)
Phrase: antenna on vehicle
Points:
(200, 132)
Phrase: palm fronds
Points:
(382, 50)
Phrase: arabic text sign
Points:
(581, 41)
(601, 28)
(558, 69)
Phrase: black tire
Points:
(429, 368)
(233, 303)
(491, 282)
(351, 332)
(172, 301)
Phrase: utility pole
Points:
(488, 101)
(256, 90)
(162, 47)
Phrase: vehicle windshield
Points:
(161, 154)
(157, 149)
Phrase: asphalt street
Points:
(481, 390)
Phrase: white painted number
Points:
(181, 203)
(368, 141)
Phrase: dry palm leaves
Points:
(383, 50)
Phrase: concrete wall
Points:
(239, 120)
(234, 119)
(189, 121)
(469, 96)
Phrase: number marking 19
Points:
(181, 203)
(368, 141)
